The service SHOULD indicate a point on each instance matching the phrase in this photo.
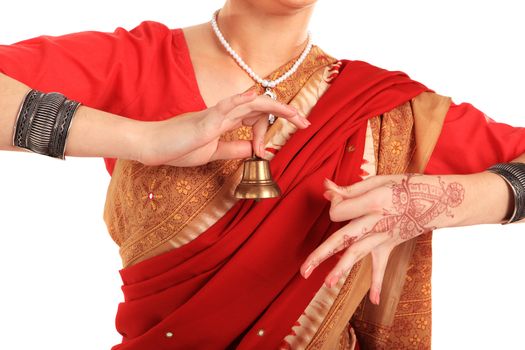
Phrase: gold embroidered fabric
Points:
(316, 327)
(403, 141)
(403, 319)
(412, 322)
(388, 148)
(149, 207)
(150, 210)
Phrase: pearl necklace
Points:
(268, 84)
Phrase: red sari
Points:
(241, 275)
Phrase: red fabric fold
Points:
(242, 274)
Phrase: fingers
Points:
(258, 131)
(232, 150)
(333, 197)
(379, 262)
(226, 105)
(339, 240)
(373, 202)
(353, 254)
(359, 188)
(262, 105)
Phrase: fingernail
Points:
(308, 271)
(330, 183)
(292, 109)
(374, 297)
(306, 122)
(336, 188)
(248, 93)
(330, 186)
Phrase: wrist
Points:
(143, 137)
(503, 197)
(488, 199)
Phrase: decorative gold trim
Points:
(169, 219)
(426, 113)
(355, 287)
(320, 313)
(402, 142)
(403, 319)
(429, 111)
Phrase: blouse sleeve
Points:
(471, 142)
(102, 70)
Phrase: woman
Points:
(208, 263)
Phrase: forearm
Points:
(96, 133)
(488, 199)
(93, 133)
(12, 93)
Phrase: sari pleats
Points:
(238, 283)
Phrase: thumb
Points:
(232, 150)
(259, 130)
(340, 190)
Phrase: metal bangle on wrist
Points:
(43, 123)
(514, 175)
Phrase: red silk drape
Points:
(114, 72)
(242, 274)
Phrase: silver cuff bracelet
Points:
(43, 123)
(514, 175)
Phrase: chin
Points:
(296, 4)
(280, 6)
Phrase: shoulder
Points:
(366, 68)
(370, 77)
(148, 31)
(144, 34)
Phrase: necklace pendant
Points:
(269, 92)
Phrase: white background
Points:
(59, 284)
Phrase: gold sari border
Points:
(312, 328)
(183, 225)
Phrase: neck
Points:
(267, 38)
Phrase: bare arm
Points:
(390, 209)
(187, 140)
(93, 132)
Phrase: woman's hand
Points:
(186, 140)
(385, 211)
(192, 139)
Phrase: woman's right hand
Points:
(192, 139)
(189, 139)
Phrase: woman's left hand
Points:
(385, 211)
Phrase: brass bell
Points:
(257, 182)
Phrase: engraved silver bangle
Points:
(43, 123)
(57, 144)
(514, 175)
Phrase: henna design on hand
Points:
(331, 253)
(348, 241)
(416, 205)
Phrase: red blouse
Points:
(146, 74)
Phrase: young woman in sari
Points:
(203, 270)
